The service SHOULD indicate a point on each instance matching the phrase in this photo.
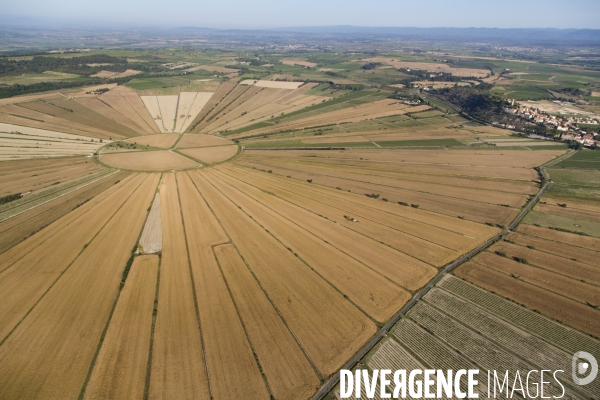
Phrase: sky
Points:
(258, 14)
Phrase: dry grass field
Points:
(297, 61)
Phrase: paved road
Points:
(383, 331)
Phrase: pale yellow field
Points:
(151, 103)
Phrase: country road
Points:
(326, 388)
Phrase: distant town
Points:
(567, 127)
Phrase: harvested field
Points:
(18, 142)
(151, 239)
(348, 275)
(25, 176)
(577, 213)
(425, 236)
(214, 68)
(161, 160)
(377, 109)
(120, 369)
(215, 100)
(186, 99)
(297, 61)
(200, 101)
(557, 283)
(570, 312)
(101, 107)
(454, 207)
(572, 239)
(264, 106)
(22, 116)
(565, 250)
(113, 75)
(557, 264)
(68, 322)
(213, 154)
(168, 111)
(272, 84)
(153, 108)
(328, 327)
(28, 260)
(20, 227)
(177, 368)
(431, 67)
(287, 369)
(229, 357)
(232, 95)
(199, 140)
(162, 141)
(127, 102)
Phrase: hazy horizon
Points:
(269, 14)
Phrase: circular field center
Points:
(162, 160)
(191, 151)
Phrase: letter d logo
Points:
(590, 365)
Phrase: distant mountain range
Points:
(516, 35)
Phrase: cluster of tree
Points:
(72, 65)
(348, 86)
(571, 91)
(371, 65)
(481, 105)
(10, 197)
(421, 75)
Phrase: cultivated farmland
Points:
(245, 236)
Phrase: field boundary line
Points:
(451, 266)
(152, 329)
(191, 272)
(237, 310)
(118, 296)
(312, 364)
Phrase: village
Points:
(567, 126)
